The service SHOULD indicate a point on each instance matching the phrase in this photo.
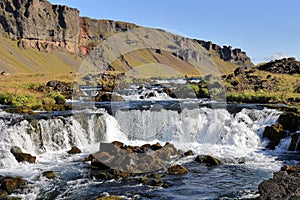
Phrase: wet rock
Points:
(208, 160)
(106, 96)
(189, 153)
(22, 157)
(111, 198)
(11, 184)
(290, 121)
(49, 174)
(177, 170)
(156, 147)
(283, 185)
(113, 174)
(170, 93)
(74, 150)
(295, 142)
(274, 133)
(3, 194)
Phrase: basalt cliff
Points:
(47, 28)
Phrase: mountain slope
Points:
(54, 38)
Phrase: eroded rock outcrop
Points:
(282, 66)
(41, 25)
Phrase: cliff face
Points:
(39, 24)
(226, 53)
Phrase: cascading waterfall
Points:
(40, 136)
(217, 132)
(203, 125)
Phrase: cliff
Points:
(45, 27)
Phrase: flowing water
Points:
(232, 133)
(234, 138)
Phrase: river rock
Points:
(107, 96)
(74, 150)
(111, 198)
(295, 142)
(189, 153)
(274, 133)
(283, 185)
(11, 184)
(3, 194)
(208, 160)
(290, 121)
(49, 174)
(22, 157)
(177, 170)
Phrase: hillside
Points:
(40, 37)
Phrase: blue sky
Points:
(265, 29)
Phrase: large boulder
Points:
(283, 185)
(274, 133)
(10, 184)
(22, 157)
(290, 121)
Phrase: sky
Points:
(265, 29)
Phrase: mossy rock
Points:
(274, 133)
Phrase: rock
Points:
(282, 66)
(11, 184)
(290, 168)
(295, 144)
(106, 96)
(189, 153)
(111, 198)
(170, 93)
(74, 150)
(283, 185)
(62, 87)
(3, 194)
(177, 170)
(49, 174)
(208, 160)
(290, 121)
(22, 157)
(156, 147)
(113, 174)
(274, 133)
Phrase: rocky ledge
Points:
(283, 186)
(282, 66)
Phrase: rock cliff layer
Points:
(39, 24)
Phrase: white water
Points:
(204, 130)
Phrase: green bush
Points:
(58, 97)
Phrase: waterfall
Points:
(201, 126)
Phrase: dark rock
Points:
(189, 153)
(62, 87)
(22, 157)
(49, 174)
(274, 133)
(170, 93)
(113, 174)
(177, 170)
(239, 70)
(111, 198)
(106, 96)
(295, 142)
(3, 194)
(11, 184)
(208, 160)
(283, 185)
(290, 121)
(74, 150)
(156, 147)
(282, 66)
